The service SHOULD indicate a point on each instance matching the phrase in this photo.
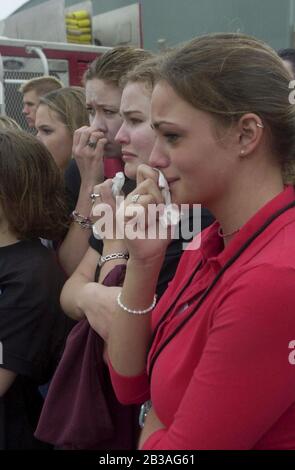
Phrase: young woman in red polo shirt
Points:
(212, 356)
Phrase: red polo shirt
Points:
(225, 380)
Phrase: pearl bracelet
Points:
(136, 312)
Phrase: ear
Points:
(250, 131)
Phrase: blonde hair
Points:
(70, 105)
(7, 122)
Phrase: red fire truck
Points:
(21, 60)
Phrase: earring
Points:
(242, 152)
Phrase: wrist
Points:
(88, 181)
(111, 246)
(86, 188)
(151, 263)
(83, 221)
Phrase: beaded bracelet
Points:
(84, 222)
(136, 312)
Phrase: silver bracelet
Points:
(112, 256)
(84, 222)
(136, 312)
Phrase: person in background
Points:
(212, 359)
(33, 327)
(288, 57)
(32, 90)
(59, 114)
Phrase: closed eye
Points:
(45, 130)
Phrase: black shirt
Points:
(32, 332)
(72, 183)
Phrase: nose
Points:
(38, 136)
(97, 123)
(158, 157)
(25, 110)
(122, 135)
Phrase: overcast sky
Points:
(9, 7)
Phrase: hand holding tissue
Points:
(171, 215)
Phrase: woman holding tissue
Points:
(97, 421)
(212, 356)
(82, 299)
(136, 138)
(96, 154)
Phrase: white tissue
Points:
(118, 183)
(95, 233)
(171, 215)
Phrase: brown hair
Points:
(229, 75)
(41, 85)
(70, 105)
(114, 64)
(32, 194)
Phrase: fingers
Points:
(147, 183)
(146, 172)
(148, 186)
(78, 133)
(104, 190)
(88, 141)
(146, 193)
(143, 203)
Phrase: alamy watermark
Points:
(159, 221)
(292, 353)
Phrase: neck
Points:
(243, 201)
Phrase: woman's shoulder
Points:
(30, 263)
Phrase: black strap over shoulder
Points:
(210, 287)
